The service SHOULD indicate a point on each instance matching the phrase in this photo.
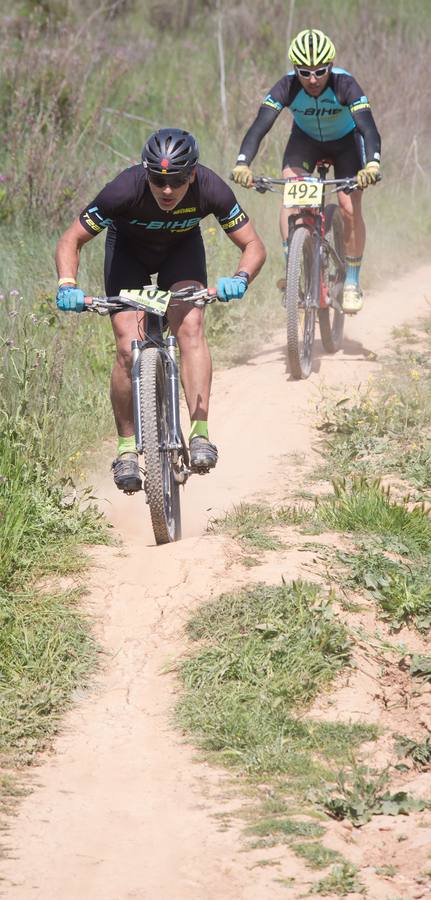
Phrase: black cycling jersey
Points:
(127, 207)
(341, 108)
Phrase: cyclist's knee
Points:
(124, 354)
(191, 330)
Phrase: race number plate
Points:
(150, 299)
(302, 193)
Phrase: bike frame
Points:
(314, 218)
(155, 338)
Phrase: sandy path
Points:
(122, 809)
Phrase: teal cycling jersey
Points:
(341, 108)
(324, 118)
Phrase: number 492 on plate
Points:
(302, 193)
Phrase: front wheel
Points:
(163, 491)
(300, 308)
(331, 319)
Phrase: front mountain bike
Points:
(316, 268)
(156, 404)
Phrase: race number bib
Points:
(302, 193)
(149, 298)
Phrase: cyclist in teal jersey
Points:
(332, 119)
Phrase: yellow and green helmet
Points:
(311, 48)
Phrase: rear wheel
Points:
(331, 319)
(301, 313)
(163, 491)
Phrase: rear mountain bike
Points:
(156, 403)
(316, 268)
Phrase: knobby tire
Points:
(163, 492)
(331, 320)
(301, 315)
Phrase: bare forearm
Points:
(67, 258)
(252, 258)
(68, 250)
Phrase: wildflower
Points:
(3, 177)
(1, 296)
(33, 319)
(13, 293)
(415, 374)
(9, 343)
(13, 314)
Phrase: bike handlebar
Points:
(103, 305)
(262, 183)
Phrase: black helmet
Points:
(170, 151)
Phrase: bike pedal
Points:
(201, 470)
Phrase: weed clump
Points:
(362, 506)
(265, 652)
(342, 880)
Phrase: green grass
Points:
(46, 651)
(385, 428)
(264, 653)
(286, 827)
(316, 855)
(253, 524)
(342, 880)
(361, 506)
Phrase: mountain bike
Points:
(316, 268)
(156, 405)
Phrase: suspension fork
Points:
(173, 392)
(136, 394)
(316, 266)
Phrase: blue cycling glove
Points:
(70, 299)
(231, 288)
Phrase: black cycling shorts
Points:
(304, 152)
(125, 271)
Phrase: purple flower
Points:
(9, 343)
(13, 314)
(14, 293)
(1, 296)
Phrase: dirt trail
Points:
(122, 809)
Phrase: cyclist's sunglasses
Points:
(174, 181)
(319, 73)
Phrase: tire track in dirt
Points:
(121, 809)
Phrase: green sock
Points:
(126, 444)
(199, 428)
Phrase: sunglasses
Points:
(173, 181)
(319, 73)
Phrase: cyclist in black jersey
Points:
(152, 213)
(332, 119)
